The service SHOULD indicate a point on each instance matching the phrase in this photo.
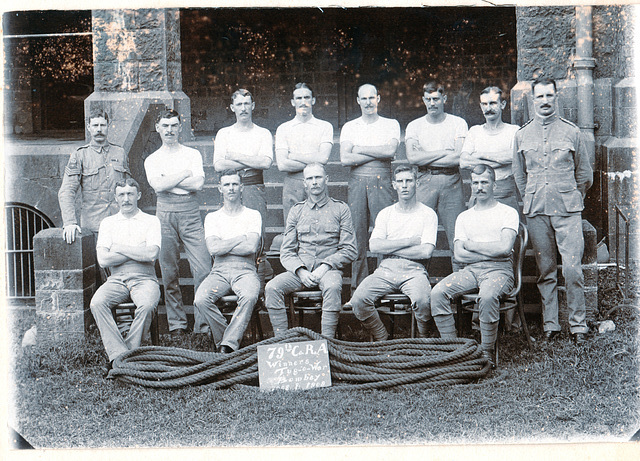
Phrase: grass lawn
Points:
(554, 393)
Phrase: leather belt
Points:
(438, 170)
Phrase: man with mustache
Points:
(176, 173)
(233, 237)
(492, 144)
(128, 244)
(93, 169)
(433, 144)
(248, 149)
(318, 242)
(368, 145)
(405, 236)
(483, 244)
(553, 172)
(299, 142)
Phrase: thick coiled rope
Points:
(407, 363)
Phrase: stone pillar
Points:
(65, 282)
(137, 71)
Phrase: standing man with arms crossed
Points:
(94, 169)
(368, 145)
(553, 173)
(233, 236)
(405, 235)
(433, 144)
(128, 244)
(175, 172)
(318, 241)
(492, 144)
(248, 149)
(483, 244)
(299, 142)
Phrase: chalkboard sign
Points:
(294, 366)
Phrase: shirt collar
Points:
(311, 121)
(121, 217)
(99, 148)
(319, 204)
(546, 120)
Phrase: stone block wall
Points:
(65, 282)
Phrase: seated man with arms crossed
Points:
(233, 237)
(404, 234)
(483, 242)
(128, 244)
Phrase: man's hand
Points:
(306, 277)
(69, 233)
(320, 272)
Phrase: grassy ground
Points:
(555, 392)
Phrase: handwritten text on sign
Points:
(293, 366)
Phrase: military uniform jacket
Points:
(95, 170)
(551, 167)
(318, 233)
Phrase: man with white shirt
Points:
(492, 144)
(483, 244)
(405, 236)
(300, 142)
(433, 144)
(246, 148)
(128, 244)
(233, 236)
(176, 173)
(368, 145)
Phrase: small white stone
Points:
(606, 326)
(29, 338)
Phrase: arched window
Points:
(23, 223)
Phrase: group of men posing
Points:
(545, 160)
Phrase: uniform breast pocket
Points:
(303, 231)
(562, 156)
(90, 179)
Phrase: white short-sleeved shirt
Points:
(224, 226)
(486, 225)
(378, 133)
(163, 162)
(437, 136)
(255, 142)
(393, 224)
(142, 229)
(296, 136)
(496, 146)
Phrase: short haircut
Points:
(367, 84)
(313, 165)
(127, 182)
(97, 113)
(229, 172)
(167, 113)
(302, 85)
(241, 92)
(432, 87)
(542, 80)
(482, 169)
(403, 168)
(493, 89)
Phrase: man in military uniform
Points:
(318, 242)
(553, 172)
(94, 169)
